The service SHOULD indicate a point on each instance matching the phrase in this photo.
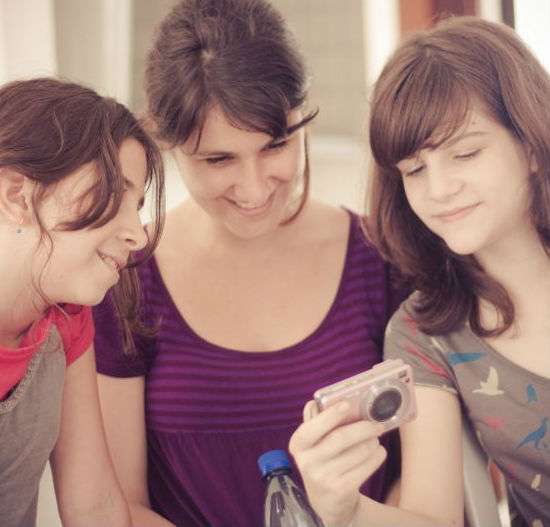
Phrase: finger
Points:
(310, 411)
(309, 433)
(356, 456)
(346, 436)
(356, 476)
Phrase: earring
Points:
(20, 227)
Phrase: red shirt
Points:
(76, 327)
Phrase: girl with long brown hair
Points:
(73, 170)
(460, 204)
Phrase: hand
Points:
(335, 459)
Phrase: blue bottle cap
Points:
(273, 460)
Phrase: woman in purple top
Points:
(259, 294)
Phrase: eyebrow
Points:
(453, 140)
(220, 153)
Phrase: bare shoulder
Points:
(326, 223)
(177, 223)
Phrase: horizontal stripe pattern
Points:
(211, 411)
(196, 386)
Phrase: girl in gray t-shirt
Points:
(460, 204)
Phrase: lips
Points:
(456, 213)
(252, 209)
(114, 262)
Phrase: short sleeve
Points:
(424, 353)
(111, 359)
(76, 327)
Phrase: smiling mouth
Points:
(110, 262)
(252, 208)
(456, 214)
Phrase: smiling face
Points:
(245, 181)
(473, 190)
(85, 263)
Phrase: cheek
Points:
(289, 164)
(413, 195)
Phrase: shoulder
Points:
(76, 328)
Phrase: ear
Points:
(15, 195)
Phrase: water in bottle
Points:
(285, 503)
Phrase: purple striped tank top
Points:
(211, 411)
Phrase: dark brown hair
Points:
(237, 54)
(423, 96)
(48, 130)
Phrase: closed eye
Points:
(216, 160)
(414, 171)
(468, 155)
(277, 145)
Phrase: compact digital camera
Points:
(384, 394)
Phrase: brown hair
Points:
(422, 97)
(237, 54)
(48, 130)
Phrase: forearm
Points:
(373, 514)
(110, 510)
(143, 516)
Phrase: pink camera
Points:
(383, 394)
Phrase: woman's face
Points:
(245, 181)
(473, 190)
(85, 263)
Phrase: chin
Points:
(463, 248)
(89, 298)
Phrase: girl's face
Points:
(245, 181)
(473, 190)
(85, 263)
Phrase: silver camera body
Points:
(384, 394)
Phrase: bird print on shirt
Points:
(490, 386)
(459, 358)
(535, 436)
(532, 396)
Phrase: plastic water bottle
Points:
(285, 503)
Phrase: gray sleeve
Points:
(424, 353)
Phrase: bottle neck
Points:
(277, 472)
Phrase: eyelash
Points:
(279, 145)
(218, 160)
(459, 157)
(215, 160)
(468, 155)
(414, 171)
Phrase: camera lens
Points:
(386, 405)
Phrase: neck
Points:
(520, 264)
(219, 240)
(20, 305)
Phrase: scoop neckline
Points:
(211, 346)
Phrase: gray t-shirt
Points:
(507, 406)
(29, 425)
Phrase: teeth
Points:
(249, 205)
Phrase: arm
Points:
(431, 480)
(122, 404)
(335, 460)
(86, 487)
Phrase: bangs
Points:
(254, 118)
(422, 108)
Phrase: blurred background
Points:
(103, 44)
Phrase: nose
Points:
(252, 186)
(443, 184)
(132, 231)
